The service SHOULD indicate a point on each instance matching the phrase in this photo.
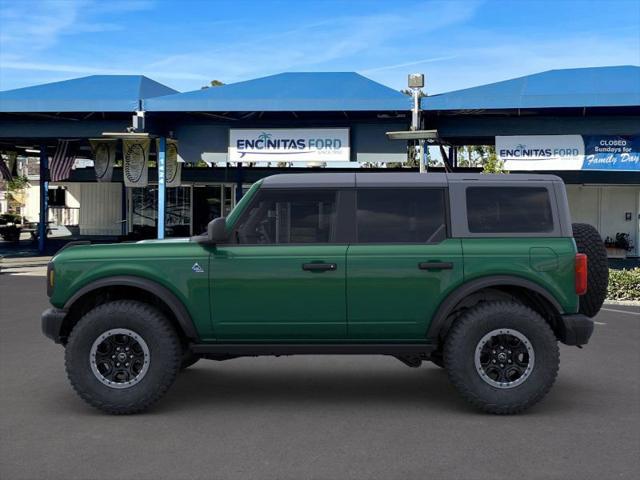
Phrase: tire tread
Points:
(452, 355)
(165, 329)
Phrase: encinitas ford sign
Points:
(289, 145)
(569, 152)
(541, 152)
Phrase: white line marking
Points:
(599, 323)
(620, 311)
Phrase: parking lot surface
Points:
(315, 417)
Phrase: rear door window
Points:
(401, 215)
(509, 210)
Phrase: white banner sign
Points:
(289, 145)
(541, 152)
(136, 162)
(104, 157)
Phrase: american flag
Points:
(62, 161)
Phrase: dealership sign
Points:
(611, 152)
(569, 152)
(289, 145)
(541, 152)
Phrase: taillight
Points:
(581, 273)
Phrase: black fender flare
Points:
(440, 322)
(164, 294)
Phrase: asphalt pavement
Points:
(337, 417)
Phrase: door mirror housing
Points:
(217, 230)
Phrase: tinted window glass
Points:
(401, 215)
(289, 216)
(509, 210)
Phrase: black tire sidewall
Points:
(461, 347)
(148, 323)
(589, 242)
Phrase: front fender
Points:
(175, 305)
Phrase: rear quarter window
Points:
(509, 210)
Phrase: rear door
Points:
(402, 264)
(284, 278)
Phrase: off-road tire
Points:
(188, 359)
(464, 337)
(589, 242)
(164, 358)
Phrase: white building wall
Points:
(100, 208)
(605, 207)
(31, 209)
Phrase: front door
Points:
(402, 264)
(284, 276)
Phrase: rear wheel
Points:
(502, 357)
(589, 242)
(122, 356)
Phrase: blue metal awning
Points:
(577, 87)
(96, 93)
(297, 92)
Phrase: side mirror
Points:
(217, 230)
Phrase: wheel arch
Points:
(537, 296)
(163, 297)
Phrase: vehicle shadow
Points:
(218, 385)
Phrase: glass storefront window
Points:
(144, 212)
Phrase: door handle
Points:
(435, 265)
(319, 267)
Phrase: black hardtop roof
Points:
(393, 179)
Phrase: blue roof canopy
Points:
(96, 93)
(298, 92)
(577, 87)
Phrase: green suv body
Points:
(410, 265)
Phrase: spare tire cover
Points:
(589, 242)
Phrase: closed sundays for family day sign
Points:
(289, 145)
(569, 152)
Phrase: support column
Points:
(162, 155)
(44, 199)
(239, 180)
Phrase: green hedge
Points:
(624, 284)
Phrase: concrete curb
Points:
(629, 303)
(11, 264)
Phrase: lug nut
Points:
(113, 356)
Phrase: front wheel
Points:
(122, 356)
(502, 357)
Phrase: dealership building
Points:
(212, 144)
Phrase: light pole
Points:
(416, 83)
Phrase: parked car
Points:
(480, 274)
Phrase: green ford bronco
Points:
(479, 274)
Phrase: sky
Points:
(185, 44)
